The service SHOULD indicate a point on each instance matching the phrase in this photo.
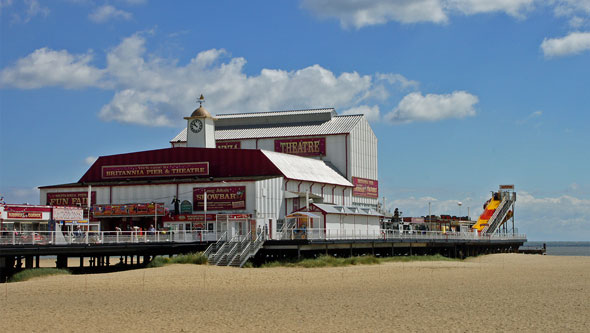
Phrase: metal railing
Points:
(103, 237)
(113, 237)
(384, 234)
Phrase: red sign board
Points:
(363, 187)
(70, 198)
(228, 144)
(139, 209)
(220, 198)
(155, 170)
(302, 147)
(25, 215)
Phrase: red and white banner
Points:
(25, 215)
(220, 198)
(67, 213)
(363, 187)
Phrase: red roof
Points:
(222, 162)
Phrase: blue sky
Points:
(463, 95)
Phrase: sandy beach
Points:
(501, 292)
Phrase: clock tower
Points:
(200, 128)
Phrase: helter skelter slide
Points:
(497, 210)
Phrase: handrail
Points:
(210, 247)
(50, 238)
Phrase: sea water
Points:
(562, 248)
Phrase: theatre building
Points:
(345, 142)
(205, 185)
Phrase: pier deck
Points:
(135, 248)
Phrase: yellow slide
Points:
(482, 222)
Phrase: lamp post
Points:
(205, 209)
(156, 216)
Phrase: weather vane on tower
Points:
(201, 100)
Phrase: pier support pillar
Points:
(28, 262)
(298, 252)
(37, 259)
(61, 261)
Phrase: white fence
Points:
(102, 237)
(114, 237)
(339, 234)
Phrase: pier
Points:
(23, 250)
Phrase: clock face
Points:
(196, 125)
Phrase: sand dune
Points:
(505, 292)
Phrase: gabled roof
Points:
(222, 163)
(303, 168)
(336, 125)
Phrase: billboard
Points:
(135, 209)
(220, 198)
(25, 215)
(363, 187)
(155, 170)
(302, 147)
(70, 198)
(67, 213)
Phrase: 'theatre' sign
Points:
(363, 187)
(155, 170)
(220, 198)
(302, 147)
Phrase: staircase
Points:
(496, 220)
(234, 252)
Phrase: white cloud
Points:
(433, 107)
(471, 7)
(4, 4)
(360, 13)
(532, 116)
(562, 217)
(370, 112)
(574, 43)
(571, 7)
(150, 90)
(45, 67)
(27, 10)
(576, 22)
(398, 79)
(90, 160)
(108, 12)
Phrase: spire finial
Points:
(201, 100)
